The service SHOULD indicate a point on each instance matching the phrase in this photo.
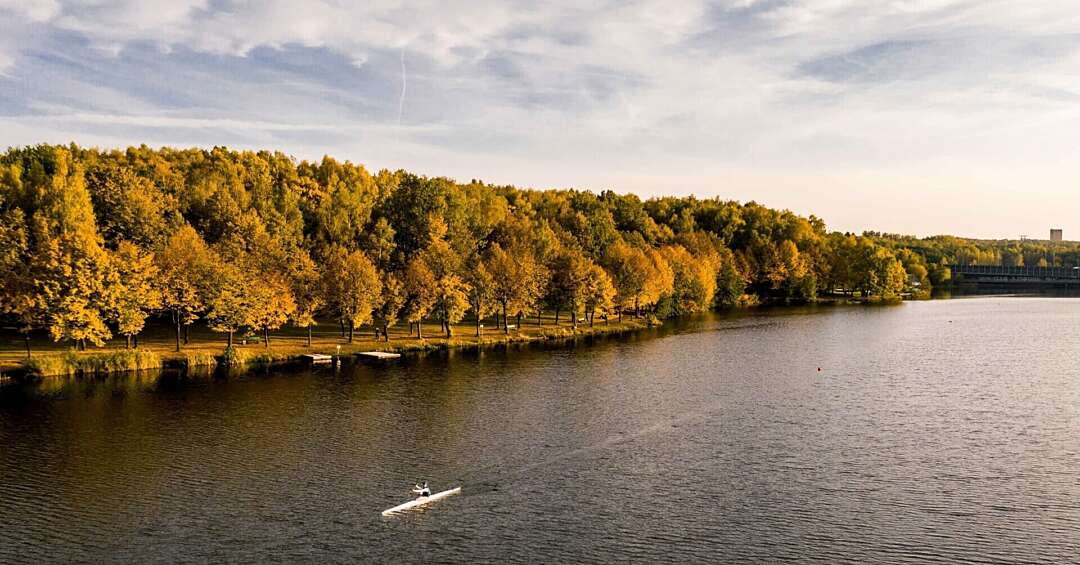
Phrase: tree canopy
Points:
(94, 242)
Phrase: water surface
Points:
(941, 431)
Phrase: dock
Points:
(379, 354)
(318, 358)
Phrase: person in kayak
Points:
(422, 489)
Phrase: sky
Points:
(906, 116)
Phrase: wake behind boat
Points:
(421, 501)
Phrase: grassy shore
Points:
(157, 345)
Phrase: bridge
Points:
(990, 275)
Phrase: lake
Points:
(940, 431)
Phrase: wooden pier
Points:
(379, 355)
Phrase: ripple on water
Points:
(714, 440)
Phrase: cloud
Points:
(615, 94)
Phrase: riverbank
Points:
(207, 349)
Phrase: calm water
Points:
(942, 431)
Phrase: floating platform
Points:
(379, 354)
(318, 358)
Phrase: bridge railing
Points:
(1017, 272)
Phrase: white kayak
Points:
(421, 501)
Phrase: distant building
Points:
(1055, 235)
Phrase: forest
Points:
(94, 243)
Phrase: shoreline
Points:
(206, 352)
(196, 357)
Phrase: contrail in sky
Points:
(401, 101)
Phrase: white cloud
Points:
(603, 91)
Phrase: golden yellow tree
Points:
(270, 304)
(420, 293)
(135, 294)
(599, 292)
(353, 286)
(185, 267)
(307, 290)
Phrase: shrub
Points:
(72, 363)
(47, 366)
(235, 357)
(199, 359)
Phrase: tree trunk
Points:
(176, 318)
(519, 321)
(620, 314)
(309, 335)
(266, 338)
(342, 322)
(573, 315)
(449, 332)
(135, 338)
(26, 337)
(539, 318)
(187, 331)
(506, 328)
(556, 315)
(386, 333)
(128, 341)
(590, 316)
(419, 331)
(478, 322)
(352, 326)
(637, 307)
(230, 339)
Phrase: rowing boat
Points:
(421, 501)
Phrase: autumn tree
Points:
(451, 301)
(136, 294)
(391, 303)
(694, 279)
(420, 293)
(71, 265)
(599, 292)
(481, 294)
(185, 267)
(567, 289)
(353, 286)
(517, 280)
(230, 300)
(18, 295)
(270, 304)
(629, 268)
(307, 291)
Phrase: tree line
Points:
(93, 243)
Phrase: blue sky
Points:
(914, 116)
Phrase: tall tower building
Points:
(1055, 234)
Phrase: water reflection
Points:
(934, 431)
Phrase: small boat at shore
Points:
(421, 501)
